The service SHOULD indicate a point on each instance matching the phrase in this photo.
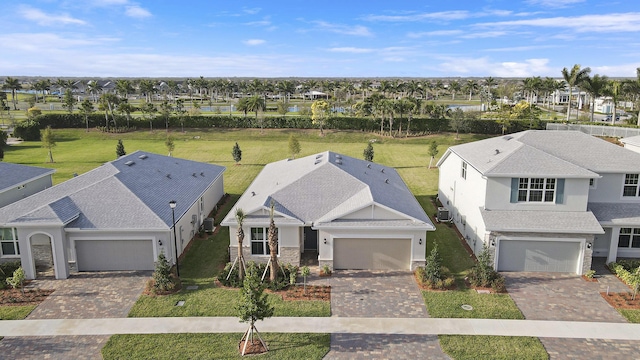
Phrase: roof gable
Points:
(12, 175)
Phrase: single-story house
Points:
(19, 181)
(115, 217)
(346, 212)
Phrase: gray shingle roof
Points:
(509, 156)
(583, 150)
(324, 186)
(12, 175)
(541, 221)
(120, 196)
(631, 140)
(623, 214)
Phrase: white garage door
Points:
(372, 254)
(105, 255)
(546, 256)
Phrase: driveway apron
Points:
(552, 296)
(81, 296)
(382, 294)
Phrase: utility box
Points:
(209, 225)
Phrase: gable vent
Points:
(142, 157)
(129, 163)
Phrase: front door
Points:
(310, 239)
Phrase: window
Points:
(536, 190)
(629, 238)
(463, 171)
(592, 183)
(260, 241)
(630, 185)
(9, 242)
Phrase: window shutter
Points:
(560, 191)
(514, 190)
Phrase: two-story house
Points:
(544, 200)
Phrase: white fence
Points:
(596, 130)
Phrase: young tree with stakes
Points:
(48, 141)
(433, 151)
(86, 109)
(253, 306)
(170, 144)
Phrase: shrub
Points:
(482, 273)
(283, 279)
(590, 274)
(326, 269)
(162, 274)
(432, 271)
(28, 130)
(433, 275)
(17, 280)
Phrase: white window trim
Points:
(544, 191)
(463, 170)
(594, 185)
(16, 246)
(624, 178)
(265, 241)
(631, 235)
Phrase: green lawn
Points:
(468, 347)
(213, 346)
(633, 316)
(15, 312)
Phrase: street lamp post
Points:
(172, 204)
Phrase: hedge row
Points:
(417, 125)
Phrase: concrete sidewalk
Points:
(537, 328)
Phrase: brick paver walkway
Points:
(548, 296)
(81, 296)
(379, 294)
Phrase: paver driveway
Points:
(548, 296)
(81, 296)
(384, 294)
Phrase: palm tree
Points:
(574, 77)
(14, 85)
(240, 236)
(256, 103)
(614, 90)
(123, 88)
(471, 86)
(454, 87)
(437, 87)
(595, 87)
(273, 245)
(93, 88)
(365, 85)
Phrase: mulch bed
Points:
(589, 279)
(15, 297)
(422, 286)
(253, 348)
(314, 292)
(622, 300)
(150, 291)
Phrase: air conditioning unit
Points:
(443, 215)
(208, 225)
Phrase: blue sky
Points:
(349, 38)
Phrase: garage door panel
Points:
(108, 255)
(544, 256)
(372, 254)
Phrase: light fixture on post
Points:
(172, 204)
(589, 245)
(493, 242)
(160, 242)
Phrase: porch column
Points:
(613, 245)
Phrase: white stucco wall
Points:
(464, 198)
(372, 212)
(289, 238)
(609, 189)
(27, 189)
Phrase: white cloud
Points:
(623, 70)
(484, 35)
(467, 66)
(356, 30)
(109, 2)
(43, 19)
(554, 3)
(417, 35)
(49, 42)
(251, 11)
(438, 16)
(137, 12)
(620, 22)
(522, 48)
(351, 50)
(253, 42)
